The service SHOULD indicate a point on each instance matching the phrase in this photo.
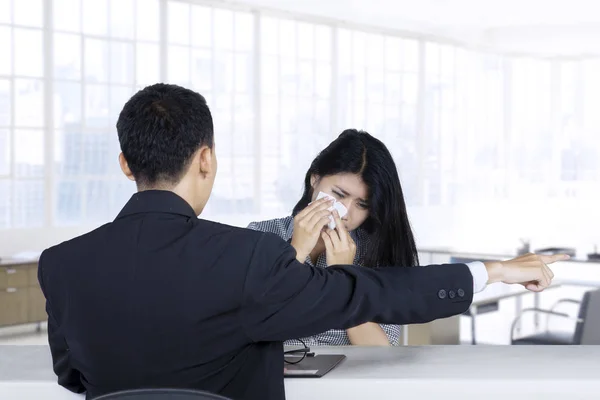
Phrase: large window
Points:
(468, 130)
(295, 92)
(22, 119)
(211, 51)
(102, 51)
(377, 90)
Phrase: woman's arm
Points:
(367, 334)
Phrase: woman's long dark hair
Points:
(357, 152)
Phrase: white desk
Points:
(448, 372)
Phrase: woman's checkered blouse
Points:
(284, 227)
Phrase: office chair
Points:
(587, 329)
(161, 394)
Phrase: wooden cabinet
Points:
(21, 299)
(36, 305)
(13, 306)
(13, 277)
(442, 331)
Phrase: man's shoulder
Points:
(68, 249)
(254, 237)
(77, 241)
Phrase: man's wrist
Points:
(495, 271)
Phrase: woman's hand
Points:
(340, 249)
(308, 224)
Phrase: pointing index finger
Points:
(554, 258)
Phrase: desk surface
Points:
(468, 371)
(489, 256)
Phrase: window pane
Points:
(223, 29)
(121, 192)
(147, 21)
(5, 103)
(67, 15)
(29, 204)
(201, 26)
(67, 105)
(269, 75)
(29, 12)
(121, 60)
(287, 38)
(306, 41)
(432, 59)
(29, 103)
(118, 97)
(5, 11)
(147, 65)
(5, 50)
(323, 80)
(323, 43)
(179, 65)
(269, 35)
(29, 153)
(95, 17)
(5, 203)
(202, 70)
(97, 201)
(111, 156)
(179, 22)
(375, 50)
(244, 71)
(95, 146)
(224, 72)
(122, 17)
(96, 60)
(244, 32)
(68, 151)
(289, 79)
(410, 88)
(67, 209)
(29, 52)
(358, 48)
(243, 126)
(4, 152)
(306, 82)
(67, 56)
(411, 55)
(322, 118)
(96, 106)
(344, 55)
(393, 53)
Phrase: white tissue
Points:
(341, 209)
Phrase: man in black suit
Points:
(160, 298)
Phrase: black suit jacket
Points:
(160, 298)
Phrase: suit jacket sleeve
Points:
(68, 377)
(284, 299)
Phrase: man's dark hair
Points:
(160, 128)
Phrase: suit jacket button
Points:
(442, 294)
(451, 294)
(461, 293)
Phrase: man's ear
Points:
(205, 160)
(125, 167)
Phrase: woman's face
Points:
(348, 189)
